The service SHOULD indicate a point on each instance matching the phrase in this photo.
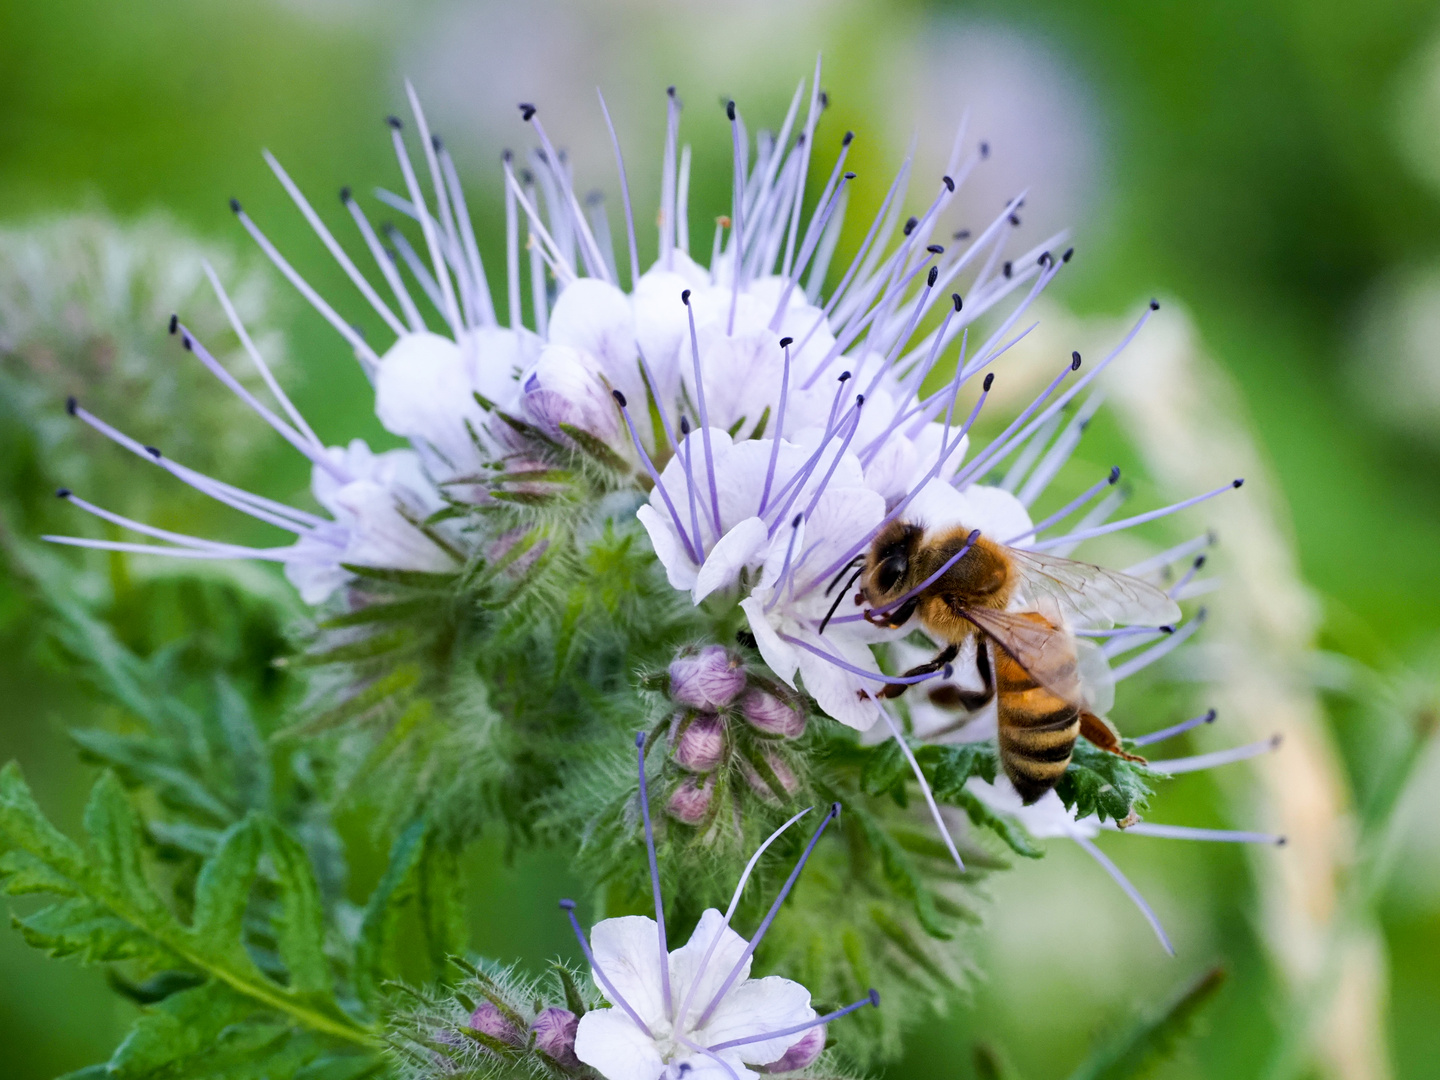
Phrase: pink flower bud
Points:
(702, 745)
(555, 1036)
(802, 1054)
(487, 1019)
(783, 773)
(690, 802)
(709, 679)
(769, 714)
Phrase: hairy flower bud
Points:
(767, 713)
(709, 679)
(487, 1019)
(702, 745)
(802, 1055)
(555, 1036)
(690, 802)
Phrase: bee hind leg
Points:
(893, 690)
(1102, 733)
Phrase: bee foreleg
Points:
(893, 690)
(1101, 733)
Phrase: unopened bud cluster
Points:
(724, 719)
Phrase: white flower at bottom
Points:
(627, 951)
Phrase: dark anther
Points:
(849, 176)
(639, 739)
(567, 905)
(1074, 361)
(684, 425)
(1008, 268)
(394, 122)
(1069, 254)
(345, 194)
(1114, 474)
(960, 234)
(786, 342)
(984, 149)
(1199, 561)
(935, 249)
(1210, 716)
(989, 382)
(62, 493)
(1044, 259)
(910, 225)
(619, 397)
(848, 139)
(844, 376)
(185, 340)
(1154, 305)
(71, 405)
(174, 323)
(1014, 219)
(1238, 483)
(824, 99)
(730, 109)
(795, 524)
(934, 276)
(1167, 629)
(153, 451)
(526, 111)
(437, 142)
(527, 177)
(235, 206)
(859, 400)
(507, 156)
(670, 90)
(948, 182)
(685, 297)
(955, 299)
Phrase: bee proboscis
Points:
(1019, 601)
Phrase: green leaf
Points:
(382, 911)
(116, 842)
(1103, 784)
(1007, 828)
(948, 767)
(90, 931)
(990, 1064)
(387, 686)
(179, 1027)
(28, 829)
(24, 873)
(222, 892)
(902, 874)
(300, 925)
(1151, 1041)
(886, 769)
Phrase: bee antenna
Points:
(838, 597)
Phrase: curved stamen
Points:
(1165, 558)
(924, 784)
(1160, 649)
(1130, 890)
(1189, 576)
(831, 815)
(1069, 508)
(687, 450)
(1185, 832)
(872, 998)
(704, 414)
(568, 906)
(655, 478)
(1138, 519)
(1175, 729)
(779, 427)
(1175, 766)
(654, 877)
(785, 567)
(624, 191)
(835, 461)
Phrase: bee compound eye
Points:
(890, 572)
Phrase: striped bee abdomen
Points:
(1037, 729)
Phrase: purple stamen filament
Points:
(655, 476)
(872, 998)
(844, 665)
(779, 432)
(704, 414)
(1138, 519)
(833, 813)
(654, 878)
(1175, 729)
(568, 906)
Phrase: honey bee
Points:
(1047, 688)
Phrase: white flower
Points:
(693, 1011)
(626, 950)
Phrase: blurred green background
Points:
(1273, 164)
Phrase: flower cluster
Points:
(760, 432)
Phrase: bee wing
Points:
(1096, 683)
(1091, 595)
(1046, 652)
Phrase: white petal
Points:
(840, 694)
(685, 963)
(596, 318)
(737, 548)
(996, 513)
(704, 1067)
(608, 1041)
(627, 950)
(782, 657)
(424, 390)
(755, 1007)
(668, 548)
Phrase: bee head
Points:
(887, 567)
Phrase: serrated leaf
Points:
(89, 930)
(886, 769)
(116, 845)
(24, 873)
(1007, 828)
(382, 911)
(901, 873)
(133, 758)
(27, 828)
(222, 891)
(948, 767)
(177, 1028)
(300, 924)
(1102, 784)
